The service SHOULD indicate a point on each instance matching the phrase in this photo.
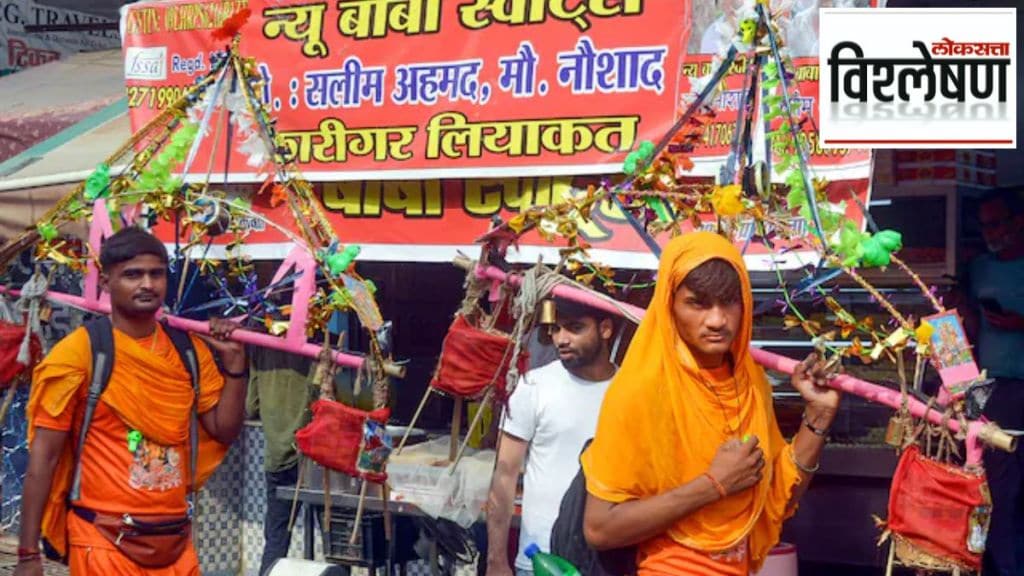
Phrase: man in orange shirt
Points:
(688, 463)
(133, 488)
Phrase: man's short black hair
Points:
(1013, 198)
(715, 282)
(127, 244)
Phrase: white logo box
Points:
(145, 63)
(943, 122)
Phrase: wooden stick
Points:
(324, 374)
(892, 558)
(476, 421)
(389, 531)
(11, 249)
(415, 418)
(920, 283)
(327, 500)
(359, 513)
(8, 399)
(295, 499)
(453, 445)
(386, 496)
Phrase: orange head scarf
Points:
(662, 423)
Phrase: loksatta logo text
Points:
(918, 78)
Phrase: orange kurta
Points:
(662, 422)
(150, 391)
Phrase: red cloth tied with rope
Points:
(347, 440)
(11, 337)
(473, 359)
(940, 510)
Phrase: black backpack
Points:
(568, 542)
(101, 341)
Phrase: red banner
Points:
(395, 89)
(430, 219)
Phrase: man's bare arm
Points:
(224, 421)
(501, 501)
(811, 378)
(47, 446)
(807, 448)
(736, 467)
(607, 525)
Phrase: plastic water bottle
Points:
(549, 564)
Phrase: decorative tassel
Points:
(232, 25)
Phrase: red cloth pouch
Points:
(938, 513)
(471, 360)
(348, 440)
(11, 337)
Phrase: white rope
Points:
(32, 294)
(537, 283)
(7, 312)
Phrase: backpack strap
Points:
(187, 352)
(101, 343)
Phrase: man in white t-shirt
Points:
(551, 414)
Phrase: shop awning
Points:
(41, 102)
(33, 181)
(58, 122)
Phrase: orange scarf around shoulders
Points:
(149, 389)
(661, 423)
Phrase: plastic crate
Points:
(370, 547)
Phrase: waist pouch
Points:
(147, 540)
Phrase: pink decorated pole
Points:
(977, 431)
(240, 335)
(100, 228)
(881, 395)
(305, 286)
(294, 341)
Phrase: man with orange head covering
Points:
(688, 463)
(121, 508)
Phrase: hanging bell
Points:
(45, 313)
(548, 316)
(896, 432)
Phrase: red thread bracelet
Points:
(28, 555)
(718, 485)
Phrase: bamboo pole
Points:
(359, 511)
(415, 418)
(469, 432)
(453, 445)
